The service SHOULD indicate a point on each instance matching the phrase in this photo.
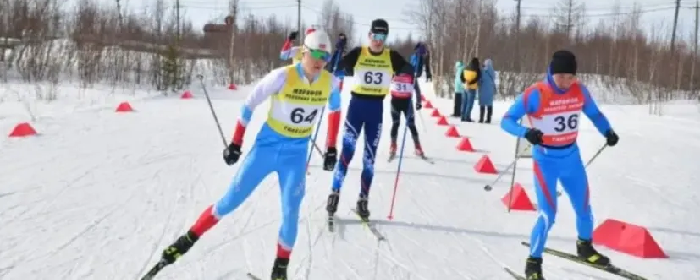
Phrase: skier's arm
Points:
(525, 103)
(346, 65)
(590, 108)
(334, 105)
(288, 51)
(270, 85)
(400, 65)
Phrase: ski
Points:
(514, 274)
(155, 269)
(429, 160)
(368, 224)
(253, 277)
(392, 157)
(612, 269)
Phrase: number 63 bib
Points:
(294, 109)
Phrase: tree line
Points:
(167, 50)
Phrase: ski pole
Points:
(600, 150)
(318, 125)
(398, 171)
(489, 187)
(211, 108)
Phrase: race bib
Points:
(296, 115)
(402, 86)
(373, 78)
(560, 123)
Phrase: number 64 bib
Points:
(293, 111)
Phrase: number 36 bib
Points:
(558, 114)
(294, 109)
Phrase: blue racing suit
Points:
(560, 160)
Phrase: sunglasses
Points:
(320, 55)
(377, 37)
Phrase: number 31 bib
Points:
(558, 114)
(373, 73)
(294, 109)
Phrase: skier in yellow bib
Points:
(372, 67)
(298, 93)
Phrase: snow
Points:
(99, 194)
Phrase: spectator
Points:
(487, 89)
(459, 89)
(470, 78)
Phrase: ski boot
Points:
(362, 209)
(419, 150)
(392, 149)
(180, 247)
(333, 200)
(279, 269)
(586, 252)
(533, 269)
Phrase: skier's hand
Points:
(611, 138)
(534, 136)
(419, 106)
(232, 153)
(330, 159)
(293, 36)
(428, 78)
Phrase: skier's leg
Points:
(395, 122)
(574, 181)
(254, 169)
(353, 128)
(291, 174)
(373, 131)
(410, 115)
(545, 178)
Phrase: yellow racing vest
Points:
(293, 110)
(373, 73)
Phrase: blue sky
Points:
(201, 11)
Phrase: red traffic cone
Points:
(465, 145)
(232, 86)
(452, 132)
(435, 113)
(186, 95)
(23, 130)
(124, 107)
(443, 121)
(428, 105)
(518, 199)
(627, 238)
(484, 165)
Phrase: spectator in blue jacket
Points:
(487, 88)
(459, 89)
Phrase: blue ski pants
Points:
(367, 114)
(565, 166)
(289, 161)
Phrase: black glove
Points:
(232, 153)
(419, 106)
(611, 138)
(428, 78)
(330, 159)
(534, 136)
(293, 36)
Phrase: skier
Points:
(402, 88)
(297, 93)
(372, 67)
(553, 107)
